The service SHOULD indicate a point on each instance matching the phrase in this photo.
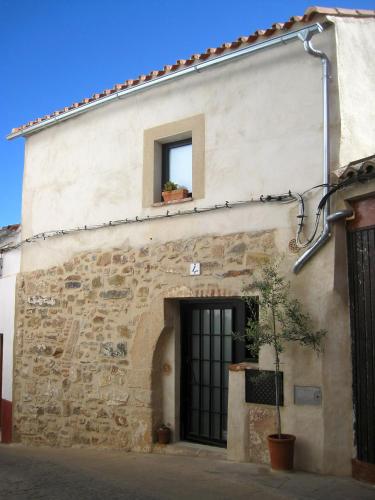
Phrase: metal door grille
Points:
(361, 253)
(260, 387)
(207, 353)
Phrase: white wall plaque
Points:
(307, 395)
(195, 269)
(37, 300)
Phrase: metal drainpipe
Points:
(326, 233)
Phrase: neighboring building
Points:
(106, 314)
(9, 268)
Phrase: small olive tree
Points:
(281, 319)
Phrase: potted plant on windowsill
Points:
(281, 320)
(173, 192)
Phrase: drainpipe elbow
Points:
(322, 240)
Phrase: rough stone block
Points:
(104, 259)
(123, 331)
(239, 248)
(235, 273)
(73, 284)
(97, 282)
(116, 294)
(116, 280)
(73, 277)
(143, 292)
(110, 350)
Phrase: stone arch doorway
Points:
(156, 354)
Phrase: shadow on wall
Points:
(165, 370)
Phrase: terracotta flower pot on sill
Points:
(176, 194)
(281, 451)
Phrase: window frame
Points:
(192, 127)
(165, 157)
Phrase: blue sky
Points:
(55, 52)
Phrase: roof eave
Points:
(225, 57)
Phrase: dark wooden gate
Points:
(361, 253)
(208, 349)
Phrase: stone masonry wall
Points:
(86, 332)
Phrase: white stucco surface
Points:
(356, 78)
(11, 266)
(263, 119)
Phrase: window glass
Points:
(180, 165)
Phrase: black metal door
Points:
(208, 349)
(361, 252)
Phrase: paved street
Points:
(69, 474)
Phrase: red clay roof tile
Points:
(309, 14)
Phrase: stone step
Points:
(191, 450)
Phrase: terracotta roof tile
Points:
(309, 14)
(278, 26)
(364, 12)
(337, 11)
(362, 166)
(297, 19)
(11, 227)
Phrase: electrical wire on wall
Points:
(360, 176)
(284, 198)
(277, 198)
(301, 220)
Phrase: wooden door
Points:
(361, 263)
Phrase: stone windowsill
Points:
(172, 202)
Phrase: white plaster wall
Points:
(263, 119)
(356, 86)
(11, 267)
(356, 79)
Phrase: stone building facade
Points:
(99, 352)
(90, 350)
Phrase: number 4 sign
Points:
(195, 269)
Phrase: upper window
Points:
(174, 152)
(177, 164)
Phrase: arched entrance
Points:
(156, 353)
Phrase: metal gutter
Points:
(326, 233)
(272, 42)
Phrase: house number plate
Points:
(195, 269)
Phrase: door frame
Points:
(361, 309)
(238, 350)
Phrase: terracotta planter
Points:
(177, 194)
(281, 451)
(164, 435)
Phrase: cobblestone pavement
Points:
(69, 474)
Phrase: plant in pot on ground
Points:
(164, 434)
(173, 192)
(281, 320)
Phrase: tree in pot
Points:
(281, 319)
